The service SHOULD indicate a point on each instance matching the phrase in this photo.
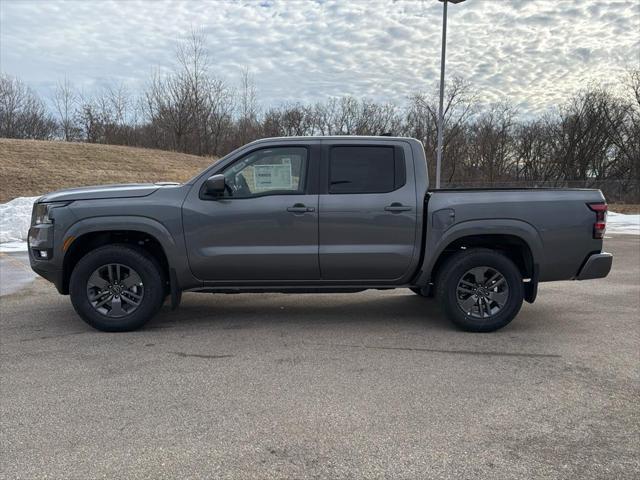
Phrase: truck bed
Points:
(556, 222)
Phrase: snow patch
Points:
(15, 218)
(621, 223)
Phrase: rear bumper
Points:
(597, 265)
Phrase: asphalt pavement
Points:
(370, 385)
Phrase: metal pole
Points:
(440, 110)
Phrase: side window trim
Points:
(400, 167)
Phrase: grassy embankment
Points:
(34, 167)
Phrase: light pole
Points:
(440, 109)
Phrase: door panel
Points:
(253, 238)
(265, 226)
(368, 236)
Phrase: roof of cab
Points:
(367, 138)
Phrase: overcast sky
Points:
(530, 52)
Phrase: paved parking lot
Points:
(368, 385)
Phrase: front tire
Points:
(480, 290)
(117, 288)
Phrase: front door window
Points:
(272, 171)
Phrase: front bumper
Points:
(597, 265)
(51, 274)
(41, 238)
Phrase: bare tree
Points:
(248, 105)
(421, 120)
(90, 118)
(217, 115)
(65, 100)
(193, 60)
(532, 144)
(22, 112)
(119, 110)
(189, 109)
(168, 103)
(633, 84)
(491, 137)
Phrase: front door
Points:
(264, 227)
(368, 216)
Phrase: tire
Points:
(134, 294)
(479, 306)
(421, 292)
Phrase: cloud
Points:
(534, 54)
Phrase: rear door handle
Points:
(397, 207)
(300, 208)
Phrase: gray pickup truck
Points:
(314, 214)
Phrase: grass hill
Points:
(35, 167)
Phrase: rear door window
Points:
(365, 169)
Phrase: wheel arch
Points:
(86, 236)
(518, 240)
(513, 247)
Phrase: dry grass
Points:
(34, 167)
(624, 208)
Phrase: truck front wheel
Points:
(116, 288)
(480, 290)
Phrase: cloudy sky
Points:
(530, 52)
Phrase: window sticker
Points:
(273, 177)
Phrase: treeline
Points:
(592, 140)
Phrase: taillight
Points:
(600, 224)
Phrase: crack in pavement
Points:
(436, 350)
(47, 337)
(197, 355)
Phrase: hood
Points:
(104, 191)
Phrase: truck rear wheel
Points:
(480, 290)
(116, 288)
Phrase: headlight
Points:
(41, 214)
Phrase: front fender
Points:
(125, 222)
(439, 239)
(173, 247)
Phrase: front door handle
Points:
(300, 208)
(396, 207)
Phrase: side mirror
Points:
(214, 185)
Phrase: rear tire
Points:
(470, 296)
(117, 288)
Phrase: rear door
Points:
(367, 211)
